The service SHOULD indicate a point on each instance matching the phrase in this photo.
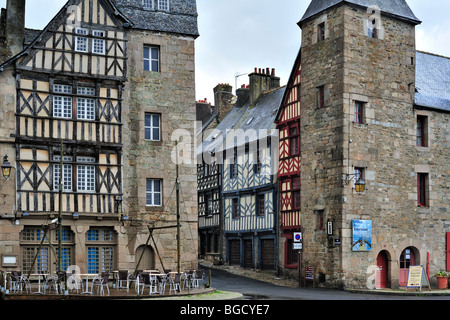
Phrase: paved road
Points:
(258, 290)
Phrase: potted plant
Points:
(442, 279)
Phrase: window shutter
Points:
(448, 251)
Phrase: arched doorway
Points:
(148, 258)
(382, 270)
(407, 259)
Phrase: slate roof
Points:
(432, 81)
(262, 117)
(181, 17)
(397, 8)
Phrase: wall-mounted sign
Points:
(298, 237)
(362, 235)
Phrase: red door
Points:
(407, 259)
(382, 270)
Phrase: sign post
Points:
(417, 278)
(298, 245)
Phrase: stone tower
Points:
(357, 95)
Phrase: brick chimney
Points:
(15, 26)
(261, 81)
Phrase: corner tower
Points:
(357, 93)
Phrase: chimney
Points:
(262, 81)
(15, 25)
(243, 94)
(223, 95)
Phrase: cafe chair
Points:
(175, 283)
(101, 282)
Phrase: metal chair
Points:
(188, 276)
(175, 283)
(198, 277)
(100, 282)
(123, 276)
(14, 281)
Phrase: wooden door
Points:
(248, 254)
(407, 259)
(382, 270)
(267, 254)
(235, 252)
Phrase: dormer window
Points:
(148, 4)
(160, 5)
(163, 5)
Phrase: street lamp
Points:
(6, 168)
(360, 184)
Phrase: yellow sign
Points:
(415, 276)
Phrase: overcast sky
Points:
(238, 35)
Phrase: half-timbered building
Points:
(288, 125)
(64, 101)
(209, 175)
(243, 143)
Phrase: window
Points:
(30, 239)
(422, 194)
(321, 32)
(98, 43)
(319, 220)
(258, 164)
(81, 43)
(294, 137)
(86, 174)
(152, 127)
(100, 250)
(359, 112)
(62, 106)
(359, 173)
(148, 4)
(67, 174)
(153, 192)
(421, 137)
(85, 106)
(163, 5)
(372, 30)
(235, 208)
(151, 58)
(208, 205)
(320, 97)
(261, 206)
(234, 166)
(296, 193)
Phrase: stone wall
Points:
(170, 93)
(380, 73)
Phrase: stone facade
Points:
(379, 74)
(170, 93)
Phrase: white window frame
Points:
(149, 128)
(163, 5)
(67, 174)
(85, 175)
(98, 44)
(150, 193)
(86, 106)
(150, 60)
(81, 43)
(62, 107)
(147, 4)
